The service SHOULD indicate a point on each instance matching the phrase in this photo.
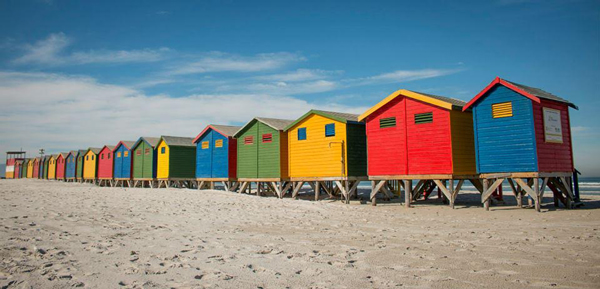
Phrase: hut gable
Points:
(216, 152)
(531, 144)
(90, 163)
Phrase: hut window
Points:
(147, 152)
(387, 122)
(125, 154)
(330, 129)
(162, 150)
(92, 157)
(118, 154)
(102, 156)
(139, 152)
(249, 140)
(219, 143)
(421, 118)
(109, 156)
(302, 133)
(205, 145)
(503, 109)
(267, 137)
(87, 158)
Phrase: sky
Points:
(79, 74)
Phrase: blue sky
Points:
(80, 74)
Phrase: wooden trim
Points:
(324, 179)
(422, 177)
(262, 180)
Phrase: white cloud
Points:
(61, 113)
(51, 51)
(224, 62)
(300, 75)
(293, 88)
(399, 76)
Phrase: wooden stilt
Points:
(407, 193)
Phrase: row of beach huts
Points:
(409, 143)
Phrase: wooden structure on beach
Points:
(105, 166)
(52, 167)
(328, 151)
(30, 164)
(18, 167)
(523, 135)
(61, 166)
(123, 163)
(45, 167)
(35, 168)
(262, 156)
(420, 137)
(144, 161)
(90, 165)
(216, 157)
(80, 164)
(176, 161)
(71, 166)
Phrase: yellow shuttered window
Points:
(125, 153)
(503, 109)
(204, 145)
(219, 143)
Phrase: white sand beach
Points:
(58, 235)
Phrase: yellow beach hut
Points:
(327, 146)
(52, 167)
(90, 164)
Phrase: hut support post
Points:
(296, 190)
(407, 193)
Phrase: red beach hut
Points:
(105, 164)
(60, 166)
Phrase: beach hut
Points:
(70, 166)
(144, 161)
(523, 134)
(216, 155)
(61, 166)
(30, 164)
(123, 163)
(52, 167)
(25, 172)
(79, 165)
(423, 137)
(17, 169)
(45, 167)
(90, 165)
(328, 150)
(105, 165)
(176, 161)
(35, 168)
(262, 157)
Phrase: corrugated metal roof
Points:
(540, 93)
(109, 147)
(82, 152)
(178, 141)
(128, 143)
(64, 155)
(276, 123)
(455, 102)
(227, 130)
(342, 115)
(94, 150)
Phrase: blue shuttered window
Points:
(330, 129)
(302, 133)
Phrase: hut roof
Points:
(178, 141)
(127, 143)
(339, 116)
(153, 141)
(530, 92)
(441, 101)
(225, 130)
(110, 148)
(94, 150)
(82, 152)
(64, 155)
(275, 123)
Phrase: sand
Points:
(57, 235)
